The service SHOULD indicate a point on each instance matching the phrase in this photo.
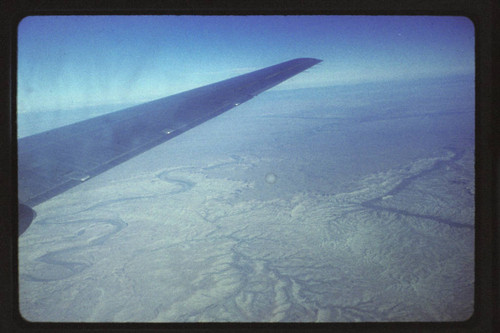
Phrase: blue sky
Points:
(66, 62)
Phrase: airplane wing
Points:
(54, 161)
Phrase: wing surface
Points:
(54, 161)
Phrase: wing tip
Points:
(308, 59)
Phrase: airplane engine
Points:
(26, 216)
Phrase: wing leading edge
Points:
(54, 161)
